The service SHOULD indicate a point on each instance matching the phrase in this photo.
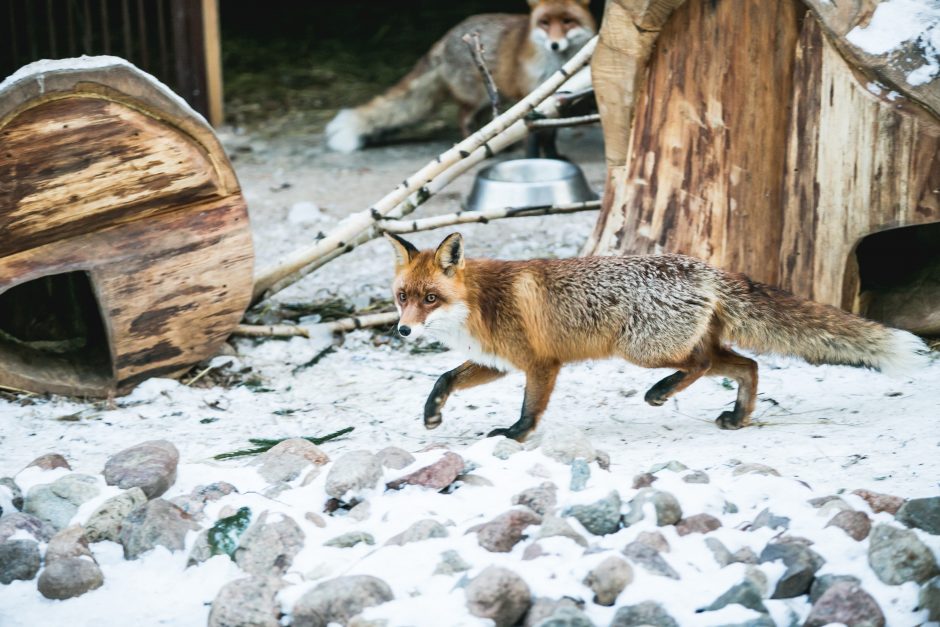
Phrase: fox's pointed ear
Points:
(404, 250)
(449, 255)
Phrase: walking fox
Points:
(521, 52)
(657, 311)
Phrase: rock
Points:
(69, 577)
(473, 480)
(580, 473)
(396, 458)
(155, 523)
(646, 614)
(541, 500)
(420, 530)
(355, 470)
(565, 443)
(16, 495)
(668, 511)
(106, 521)
(563, 612)
(673, 465)
(19, 559)
(744, 593)
(350, 539)
(608, 579)
(880, 502)
(601, 517)
(150, 466)
(248, 602)
(505, 531)
(437, 476)
(70, 542)
(823, 582)
(856, 524)
(696, 476)
(316, 519)
(921, 513)
(361, 511)
(898, 555)
(221, 538)
(506, 448)
(553, 526)
(754, 469)
(643, 480)
(699, 523)
(451, 563)
(801, 562)
(654, 539)
(17, 521)
(269, 545)
(846, 603)
(195, 502)
(58, 501)
(338, 600)
(498, 594)
(49, 461)
(724, 557)
(566, 617)
(649, 558)
(929, 599)
(533, 551)
(819, 501)
(767, 519)
(288, 459)
(603, 459)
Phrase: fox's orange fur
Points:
(657, 311)
(521, 51)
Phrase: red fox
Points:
(521, 52)
(656, 311)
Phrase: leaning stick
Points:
(290, 330)
(476, 51)
(341, 237)
(579, 120)
(484, 216)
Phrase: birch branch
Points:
(476, 51)
(356, 224)
(579, 120)
(484, 216)
(290, 330)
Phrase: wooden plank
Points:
(213, 59)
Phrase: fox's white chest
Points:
(449, 326)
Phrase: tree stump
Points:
(127, 251)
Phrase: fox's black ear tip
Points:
(395, 239)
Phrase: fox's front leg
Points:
(539, 383)
(466, 375)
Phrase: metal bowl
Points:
(528, 183)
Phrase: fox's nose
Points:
(555, 45)
(404, 330)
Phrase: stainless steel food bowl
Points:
(528, 183)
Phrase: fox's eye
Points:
(402, 297)
(430, 298)
(543, 23)
(567, 21)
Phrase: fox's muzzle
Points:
(404, 330)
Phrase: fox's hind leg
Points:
(726, 362)
(689, 372)
(466, 375)
(539, 383)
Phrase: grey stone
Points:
(19, 559)
(150, 466)
(654, 539)
(395, 458)
(506, 530)
(580, 473)
(649, 559)
(248, 602)
(648, 613)
(421, 530)
(823, 582)
(541, 499)
(770, 520)
(544, 608)
(58, 501)
(724, 557)
(361, 511)
(673, 465)
(801, 562)
(338, 600)
(195, 502)
(696, 476)
(845, 602)
(565, 443)
(287, 460)
(39, 529)
(356, 470)
(566, 617)
(553, 526)
(668, 511)
(898, 555)
(929, 599)
(50, 461)
(506, 448)
(451, 563)
(16, 495)
(643, 480)
(68, 578)
(436, 476)
(500, 595)
(474, 480)
(608, 579)
(699, 523)
(744, 593)
(856, 524)
(155, 523)
(70, 542)
(350, 539)
(754, 469)
(602, 458)
(269, 547)
(601, 517)
(921, 513)
(106, 521)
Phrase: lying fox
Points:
(520, 50)
(657, 311)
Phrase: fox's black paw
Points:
(510, 433)
(654, 397)
(730, 420)
(432, 421)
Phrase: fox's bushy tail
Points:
(765, 319)
(407, 102)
